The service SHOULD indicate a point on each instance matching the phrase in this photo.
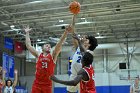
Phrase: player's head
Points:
(137, 80)
(90, 42)
(9, 82)
(46, 48)
(87, 59)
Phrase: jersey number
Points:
(79, 59)
(44, 65)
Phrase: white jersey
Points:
(136, 89)
(8, 89)
(76, 62)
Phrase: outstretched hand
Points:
(4, 71)
(16, 71)
(27, 29)
(75, 36)
(69, 29)
(53, 78)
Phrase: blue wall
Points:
(100, 89)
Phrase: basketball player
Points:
(89, 43)
(9, 86)
(45, 64)
(85, 74)
(135, 88)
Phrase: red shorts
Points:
(90, 91)
(36, 88)
(0, 88)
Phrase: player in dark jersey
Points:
(45, 64)
(85, 75)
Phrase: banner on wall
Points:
(8, 43)
(8, 65)
(11, 66)
(18, 47)
(5, 64)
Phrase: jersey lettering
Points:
(79, 59)
(44, 65)
(8, 90)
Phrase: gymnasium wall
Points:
(106, 64)
(105, 83)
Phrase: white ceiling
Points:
(111, 21)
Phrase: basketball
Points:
(74, 7)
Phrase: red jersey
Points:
(88, 86)
(1, 85)
(44, 69)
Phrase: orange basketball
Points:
(74, 7)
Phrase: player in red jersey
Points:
(85, 75)
(45, 64)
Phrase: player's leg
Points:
(72, 89)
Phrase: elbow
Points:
(28, 45)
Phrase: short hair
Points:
(45, 44)
(87, 58)
(10, 81)
(93, 42)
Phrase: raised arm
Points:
(74, 82)
(3, 77)
(16, 78)
(75, 43)
(82, 48)
(59, 45)
(131, 89)
(28, 42)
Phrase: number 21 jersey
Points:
(44, 69)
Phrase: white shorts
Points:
(75, 68)
(73, 88)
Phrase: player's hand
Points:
(53, 78)
(16, 71)
(27, 29)
(75, 36)
(4, 71)
(69, 29)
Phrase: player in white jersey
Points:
(9, 86)
(75, 67)
(89, 43)
(135, 88)
(8, 89)
(76, 59)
